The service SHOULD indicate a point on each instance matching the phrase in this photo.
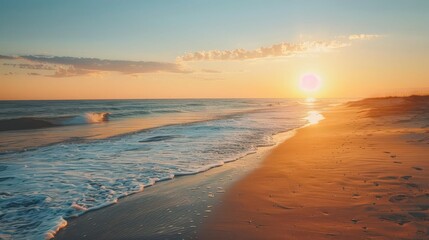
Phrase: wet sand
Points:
(362, 173)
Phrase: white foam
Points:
(87, 118)
(78, 207)
(59, 224)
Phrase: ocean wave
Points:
(27, 123)
(24, 123)
(167, 111)
(158, 138)
(87, 175)
(86, 118)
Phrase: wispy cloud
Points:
(70, 72)
(95, 64)
(283, 49)
(33, 74)
(364, 36)
(30, 66)
(77, 66)
(72, 66)
(210, 71)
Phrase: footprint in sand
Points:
(412, 185)
(406, 177)
(281, 206)
(332, 234)
(420, 216)
(398, 198)
(354, 220)
(389, 178)
(355, 196)
(397, 218)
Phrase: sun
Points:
(309, 82)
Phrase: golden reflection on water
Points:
(310, 100)
(314, 117)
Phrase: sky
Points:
(87, 49)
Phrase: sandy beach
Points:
(359, 174)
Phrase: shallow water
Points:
(88, 166)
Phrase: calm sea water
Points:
(59, 159)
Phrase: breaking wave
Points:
(26, 123)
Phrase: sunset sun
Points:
(309, 82)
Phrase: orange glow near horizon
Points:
(265, 78)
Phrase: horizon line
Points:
(213, 98)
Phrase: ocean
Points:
(59, 159)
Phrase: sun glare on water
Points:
(310, 100)
(314, 117)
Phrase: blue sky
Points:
(163, 30)
(222, 48)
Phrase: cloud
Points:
(70, 72)
(364, 36)
(76, 66)
(276, 50)
(210, 71)
(33, 74)
(73, 66)
(283, 49)
(95, 64)
(83, 65)
(30, 66)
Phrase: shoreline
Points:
(359, 174)
(197, 188)
(354, 175)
